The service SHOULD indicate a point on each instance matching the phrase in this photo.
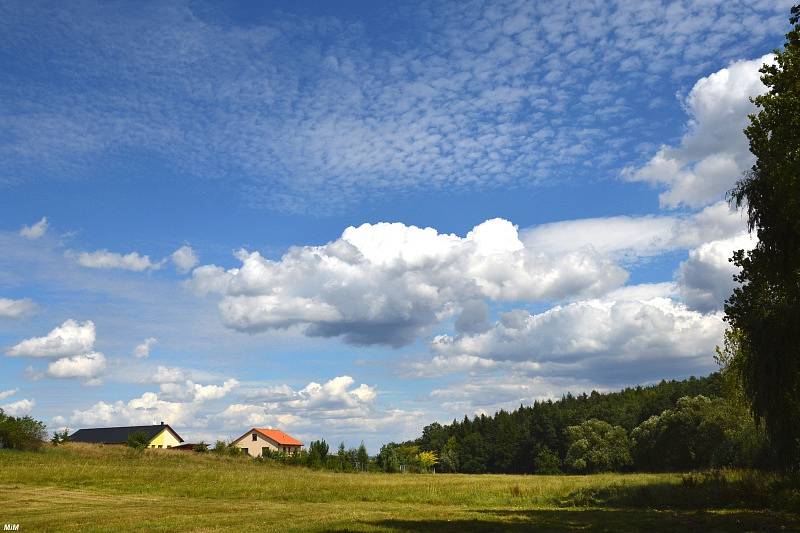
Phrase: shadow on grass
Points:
(707, 490)
(600, 520)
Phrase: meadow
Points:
(78, 487)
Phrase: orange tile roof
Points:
(279, 436)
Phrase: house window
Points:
(169, 445)
(255, 437)
(246, 450)
(159, 446)
(264, 450)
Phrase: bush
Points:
(60, 437)
(138, 440)
(21, 433)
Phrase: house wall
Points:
(254, 447)
(165, 439)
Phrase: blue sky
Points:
(350, 219)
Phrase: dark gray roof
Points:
(118, 435)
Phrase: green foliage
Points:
(362, 458)
(59, 437)
(532, 439)
(21, 433)
(138, 440)
(407, 456)
(448, 458)
(765, 309)
(223, 448)
(201, 447)
(597, 446)
(699, 432)
(547, 462)
(387, 458)
(318, 453)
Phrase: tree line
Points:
(674, 425)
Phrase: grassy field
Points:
(86, 488)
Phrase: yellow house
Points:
(158, 436)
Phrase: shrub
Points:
(21, 433)
(60, 437)
(138, 440)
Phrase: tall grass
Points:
(111, 486)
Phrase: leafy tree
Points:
(407, 455)
(138, 440)
(547, 461)
(426, 460)
(362, 458)
(342, 456)
(766, 307)
(201, 447)
(448, 459)
(387, 458)
(433, 437)
(21, 433)
(699, 432)
(597, 446)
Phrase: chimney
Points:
(162, 423)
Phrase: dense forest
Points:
(674, 425)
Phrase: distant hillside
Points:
(520, 441)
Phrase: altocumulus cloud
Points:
(478, 98)
(385, 283)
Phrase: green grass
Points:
(90, 488)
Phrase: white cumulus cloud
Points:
(598, 336)
(87, 366)
(705, 279)
(69, 338)
(19, 408)
(714, 152)
(385, 283)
